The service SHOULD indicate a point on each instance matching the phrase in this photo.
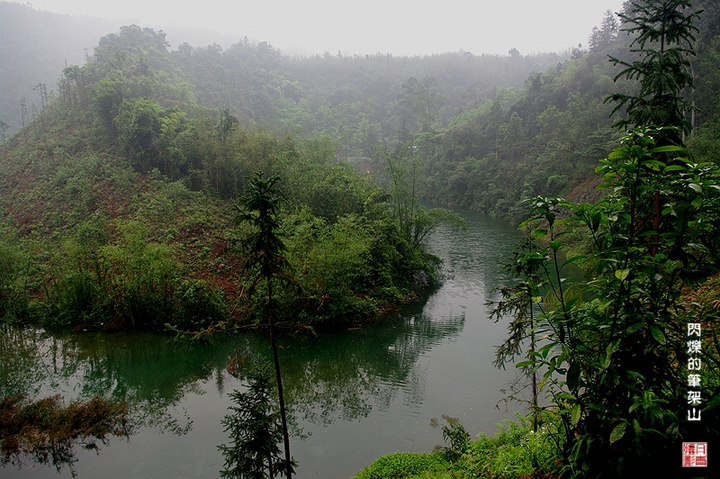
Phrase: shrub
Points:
(403, 464)
(199, 306)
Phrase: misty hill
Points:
(253, 80)
(481, 132)
(35, 46)
(117, 204)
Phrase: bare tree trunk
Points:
(278, 377)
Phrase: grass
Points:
(514, 452)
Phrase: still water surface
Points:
(355, 395)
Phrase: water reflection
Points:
(340, 376)
(345, 376)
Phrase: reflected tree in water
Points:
(338, 382)
(255, 426)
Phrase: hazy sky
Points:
(400, 27)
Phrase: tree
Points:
(618, 340)
(254, 427)
(604, 36)
(139, 126)
(414, 221)
(520, 300)
(420, 102)
(265, 259)
(664, 36)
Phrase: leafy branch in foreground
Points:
(614, 358)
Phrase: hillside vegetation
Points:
(118, 209)
(621, 365)
(117, 198)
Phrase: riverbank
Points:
(516, 451)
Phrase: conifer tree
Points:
(260, 207)
(664, 35)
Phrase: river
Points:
(354, 395)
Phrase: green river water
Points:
(354, 395)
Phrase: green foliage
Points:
(13, 297)
(614, 355)
(414, 221)
(404, 464)
(129, 283)
(517, 450)
(455, 434)
(200, 305)
(614, 358)
(494, 130)
(138, 124)
(264, 258)
(664, 34)
(264, 247)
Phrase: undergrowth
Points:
(516, 451)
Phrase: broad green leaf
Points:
(621, 274)
(665, 149)
(618, 154)
(657, 334)
(634, 328)
(654, 163)
(695, 187)
(605, 362)
(618, 432)
(573, 376)
(575, 414)
(612, 347)
(574, 259)
(636, 427)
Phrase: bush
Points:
(199, 306)
(516, 451)
(404, 464)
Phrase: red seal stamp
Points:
(694, 454)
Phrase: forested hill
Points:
(253, 80)
(118, 200)
(480, 131)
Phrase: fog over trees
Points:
(125, 161)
